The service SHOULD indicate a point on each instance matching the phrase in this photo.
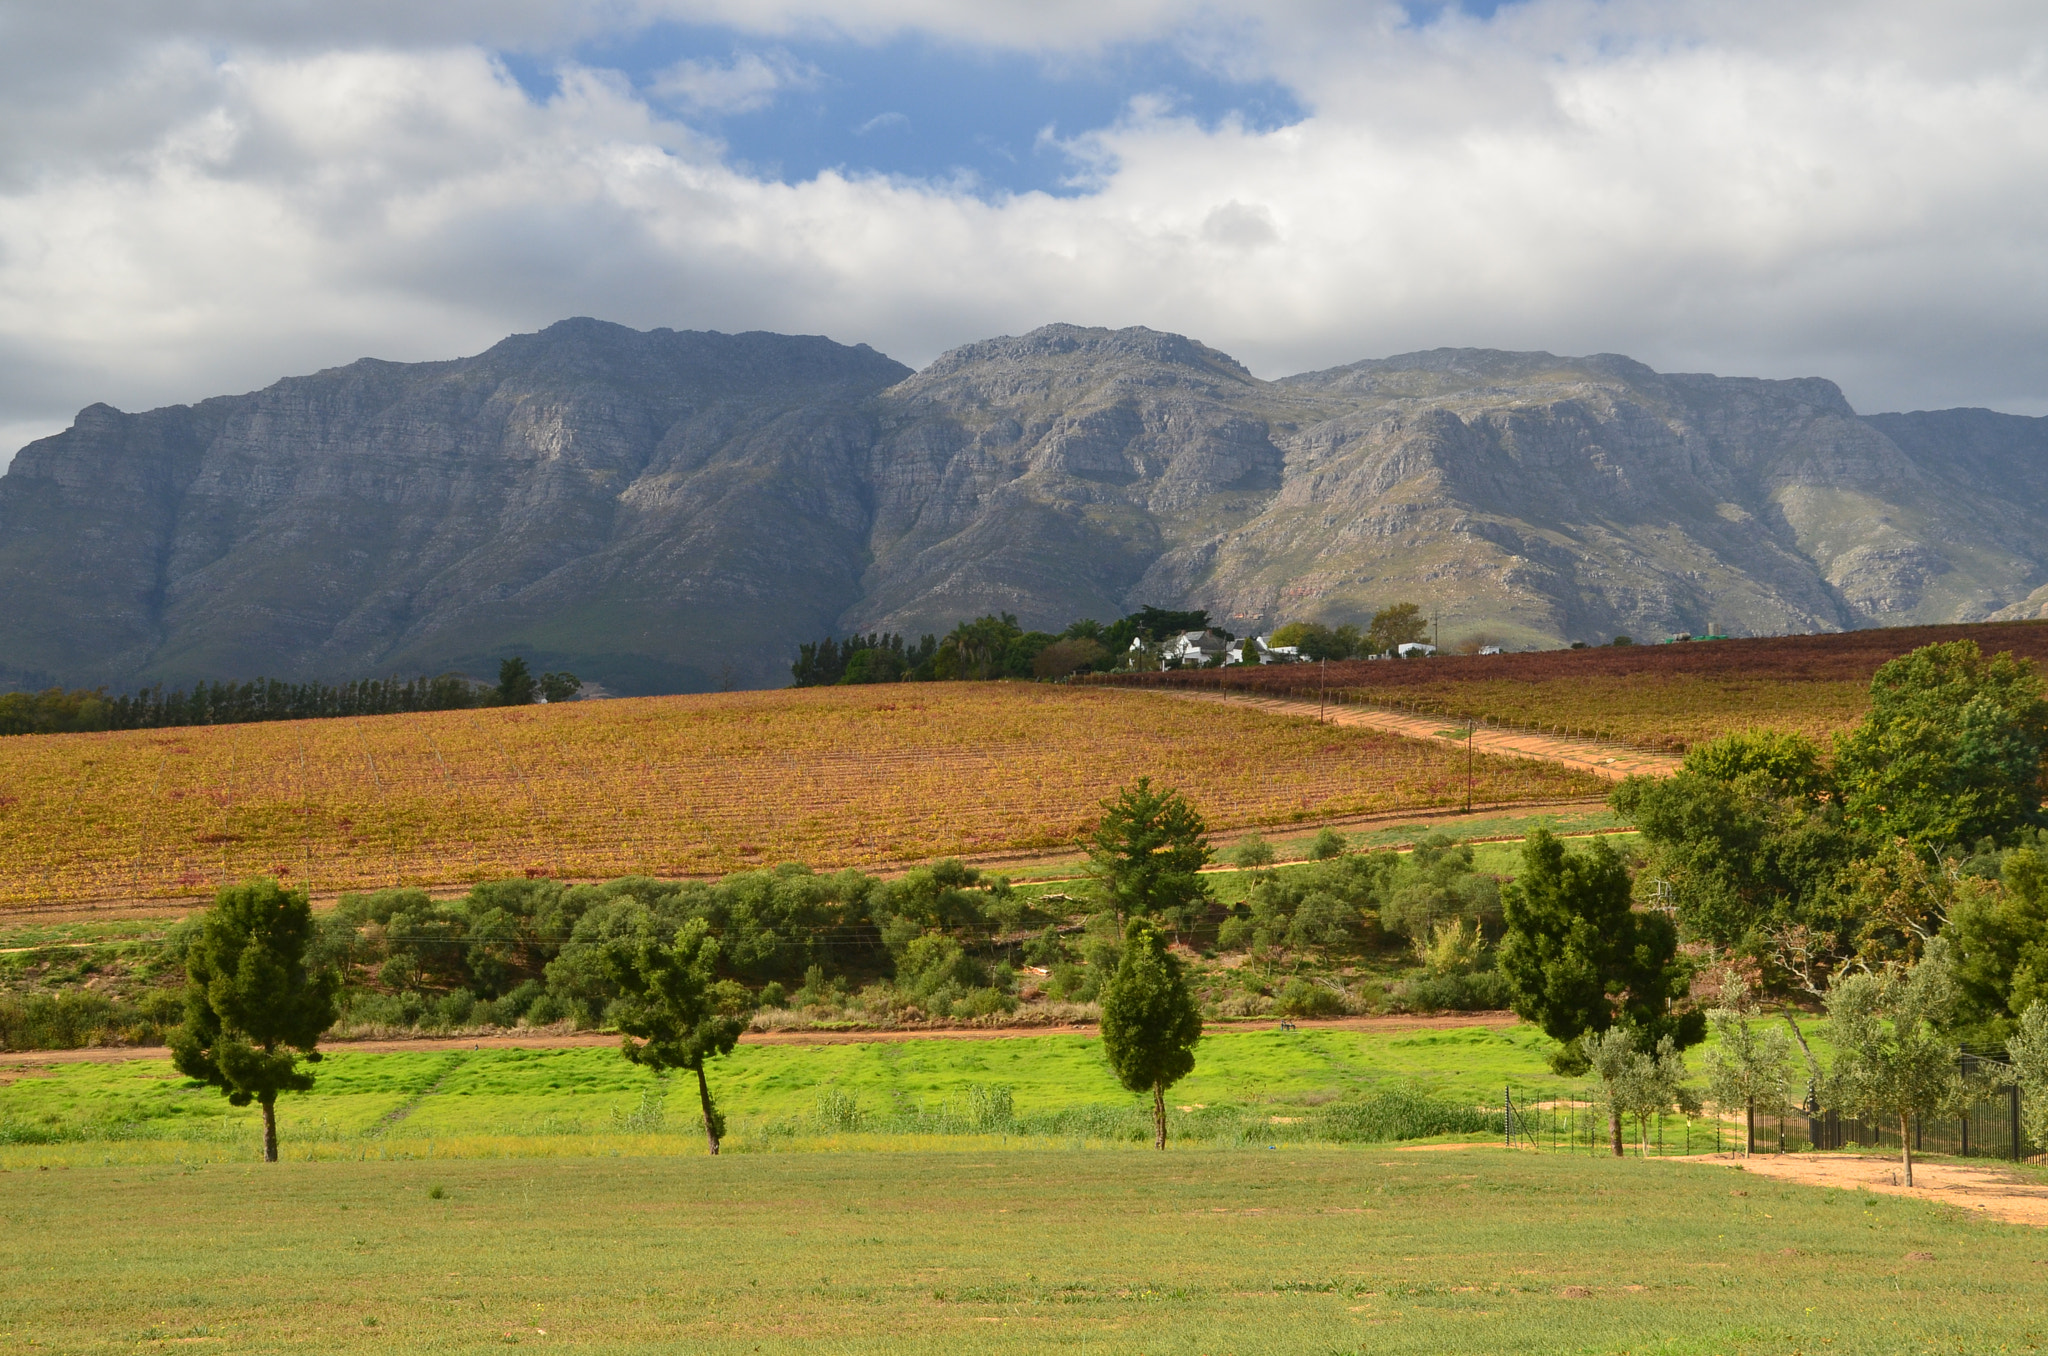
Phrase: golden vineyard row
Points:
(676, 786)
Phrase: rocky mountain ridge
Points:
(669, 511)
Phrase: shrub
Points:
(1326, 844)
(990, 1108)
(1401, 1113)
(836, 1110)
(546, 1011)
(1305, 998)
(986, 1002)
(67, 1021)
(773, 995)
(1486, 991)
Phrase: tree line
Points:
(994, 646)
(65, 711)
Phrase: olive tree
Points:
(1634, 1081)
(1150, 1022)
(253, 1008)
(1747, 1065)
(673, 1003)
(1891, 1060)
(2028, 1050)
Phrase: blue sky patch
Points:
(989, 122)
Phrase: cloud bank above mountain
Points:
(202, 197)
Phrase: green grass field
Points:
(1099, 1251)
(497, 1102)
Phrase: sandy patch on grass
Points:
(1996, 1191)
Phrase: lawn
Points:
(1296, 1249)
(502, 1101)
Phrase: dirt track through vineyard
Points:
(1613, 761)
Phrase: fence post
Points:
(1507, 1103)
(2018, 1152)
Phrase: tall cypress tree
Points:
(1150, 1022)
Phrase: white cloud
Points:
(749, 82)
(1854, 191)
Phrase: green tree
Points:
(673, 1002)
(2028, 1050)
(560, 687)
(1147, 852)
(1326, 844)
(1891, 1061)
(1150, 1022)
(253, 1008)
(515, 683)
(1251, 852)
(1951, 750)
(1400, 624)
(1635, 1082)
(1578, 959)
(1744, 1066)
(1750, 835)
(1998, 941)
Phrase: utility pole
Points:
(1468, 767)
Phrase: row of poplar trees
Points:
(255, 1011)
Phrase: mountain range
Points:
(675, 511)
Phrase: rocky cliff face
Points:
(673, 511)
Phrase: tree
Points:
(672, 1000)
(252, 1006)
(1147, 851)
(1150, 1022)
(2028, 1050)
(559, 687)
(1401, 624)
(1891, 1061)
(1063, 657)
(1633, 1081)
(1951, 750)
(1745, 1066)
(1750, 835)
(1998, 940)
(1326, 844)
(515, 683)
(1578, 959)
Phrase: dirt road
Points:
(1996, 1191)
(585, 1040)
(1613, 761)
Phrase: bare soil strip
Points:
(1995, 1191)
(521, 1040)
(1613, 761)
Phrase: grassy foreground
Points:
(502, 1102)
(1105, 1251)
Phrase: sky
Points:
(198, 197)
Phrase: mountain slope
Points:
(673, 511)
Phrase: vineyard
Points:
(1664, 697)
(856, 776)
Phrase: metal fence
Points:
(1989, 1128)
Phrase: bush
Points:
(1401, 1113)
(546, 1011)
(836, 1110)
(987, 1002)
(68, 1021)
(1305, 998)
(773, 995)
(1484, 992)
(1326, 844)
